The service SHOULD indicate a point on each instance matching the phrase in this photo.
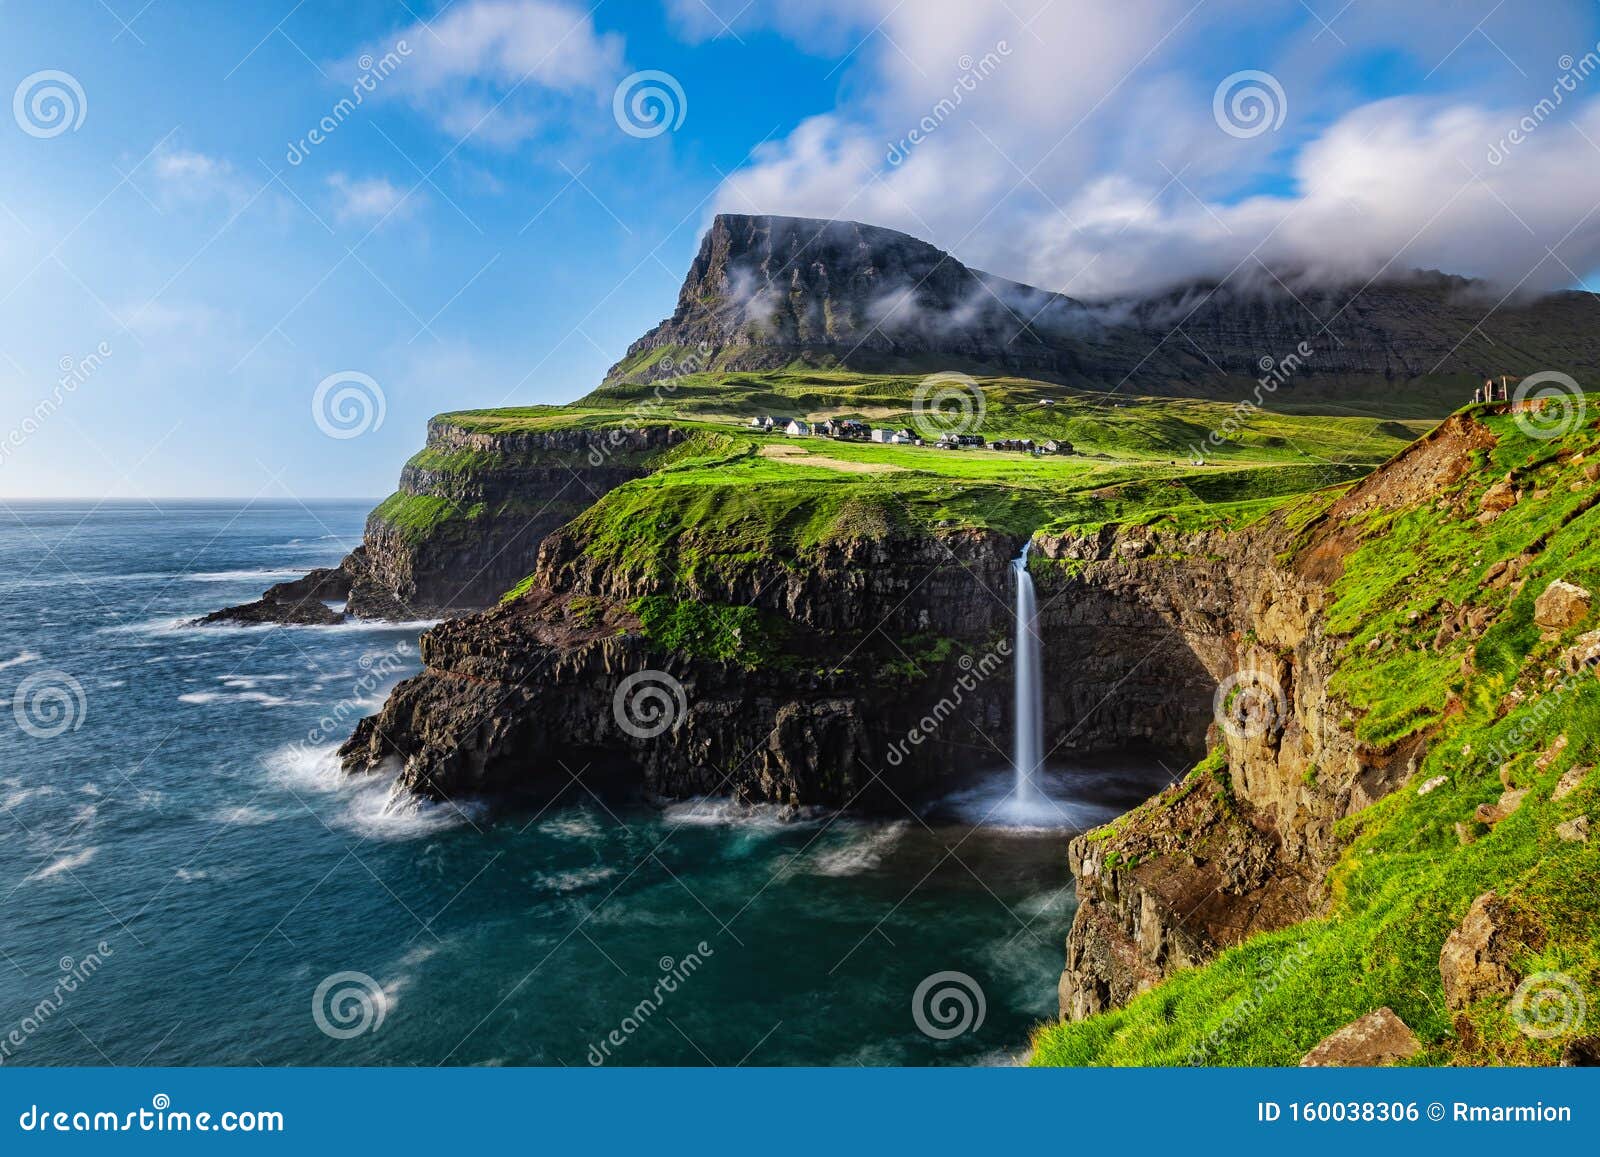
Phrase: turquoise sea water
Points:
(186, 879)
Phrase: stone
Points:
(1437, 781)
(1569, 782)
(1574, 831)
(1562, 605)
(1500, 497)
(1548, 755)
(1584, 652)
(301, 613)
(1591, 471)
(1475, 961)
(1378, 1038)
(1493, 813)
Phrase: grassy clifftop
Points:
(1436, 610)
(730, 492)
(1124, 424)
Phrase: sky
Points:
(248, 249)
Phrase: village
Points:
(852, 430)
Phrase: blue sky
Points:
(481, 230)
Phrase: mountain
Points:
(765, 293)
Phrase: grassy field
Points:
(1119, 425)
(728, 488)
(784, 496)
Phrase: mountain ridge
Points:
(766, 293)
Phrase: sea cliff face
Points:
(466, 522)
(1235, 624)
(472, 508)
(520, 699)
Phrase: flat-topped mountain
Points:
(766, 293)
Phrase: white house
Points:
(879, 435)
(797, 429)
(901, 438)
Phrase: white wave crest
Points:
(369, 804)
(65, 864)
(860, 853)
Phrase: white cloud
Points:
(185, 176)
(497, 69)
(1086, 157)
(370, 200)
(183, 167)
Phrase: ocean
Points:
(189, 880)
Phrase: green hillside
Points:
(1506, 709)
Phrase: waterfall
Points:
(1027, 737)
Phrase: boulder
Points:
(1436, 782)
(1376, 1039)
(1562, 605)
(1574, 831)
(1584, 652)
(1499, 497)
(1548, 755)
(1476, 959)
(1569, 781)
(1493, 813)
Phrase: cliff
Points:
(1393, 637)
(467, 519)
(785, 680)
(474, 505)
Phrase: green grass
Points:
(728, 495)
(1118, 426)
(1406, 879)
(730, 634)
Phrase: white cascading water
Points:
(1027, 737)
